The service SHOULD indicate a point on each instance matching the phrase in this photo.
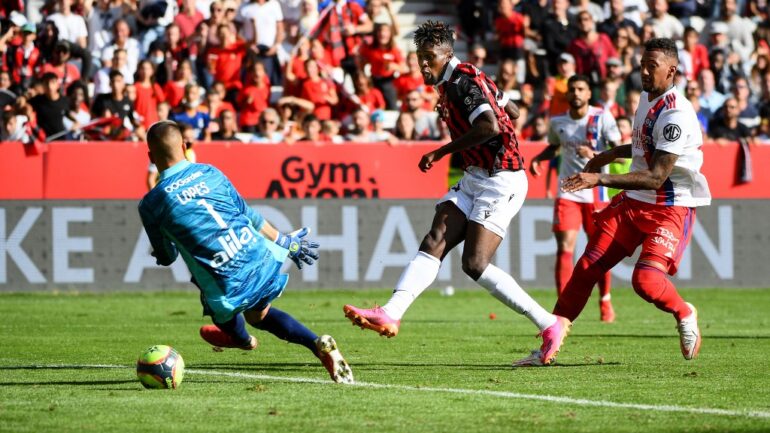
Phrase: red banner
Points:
(118, 170)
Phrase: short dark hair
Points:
(434, 33)
(161, 136)
(665, 45)
(115, 73)
(579, 77)
(49, 76)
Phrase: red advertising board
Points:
(118, 170)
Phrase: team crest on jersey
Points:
(468, 100)
(672, 132)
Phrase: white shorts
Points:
(490, 201)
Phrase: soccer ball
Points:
(160, 367)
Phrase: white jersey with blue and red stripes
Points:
(596, 129)
(669, 123)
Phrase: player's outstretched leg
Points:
(653, 285)
(287, 328)
(231, 334)
(417, 276)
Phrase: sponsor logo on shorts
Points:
(666, 239)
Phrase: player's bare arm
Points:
(601, 159)
(661, 165)
(512, 109)
(484, 127)
(547, 154)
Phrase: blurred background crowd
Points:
(284, 71)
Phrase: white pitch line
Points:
(505, 394)
(482, 392)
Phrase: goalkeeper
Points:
(233, 254)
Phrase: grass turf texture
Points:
(445, 342)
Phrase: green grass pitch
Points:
(447, 371)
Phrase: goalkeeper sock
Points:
(287, 328)
(503, 287)
(236, 328)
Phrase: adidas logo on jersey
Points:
(231, 245)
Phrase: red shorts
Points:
(663, 231)
(571, 215)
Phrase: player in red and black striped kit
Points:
(479, 208)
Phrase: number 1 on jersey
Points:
(213, 213)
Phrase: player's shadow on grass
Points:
(258, 367)
(68, 383)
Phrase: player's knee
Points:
(648, 281)
(255, 317)
(474, 265)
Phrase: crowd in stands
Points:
(288, 71)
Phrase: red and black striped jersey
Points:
(464, 93)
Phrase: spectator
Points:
(228, 127)
(189, 113)
(405, 127)
(632, 102)
(7, 96)
(319, 91)
(510, 27)
(175, 47)
(607, 94)
(225, 59)
(22, 60)
(339, 28)
(189, 136)
(665, 24)
(724, 71)
(308, 17)
(425, 125)
(116, 103)
(507, 81)
(269, 127)
(148, 94)
(557, 32)
(739, 30)
(535, 13)
(386, 61)
(154, 17)
(214, 104)
(174, 89)
(591, 49)
(67, 72)
(101, 19)
(118, 62)
(188, 19)
(597, 14)
(311, 130)
(617, 20)
(381, 12)
(122, 39)
(477, 56)
(634, 10)
(365, 96)
(748, 114)
(693, 56)
(692, 92)
(557, 86)
(711, 99)
(12, 127)
(359, 128)
(626, 43)
(412, 79)
(51, 107)
(262, 24)
(216, 18)
(616, 76)
(254, 98)
(539, 128)
(72, 27)
(727, 129)
(379, 134)
(78, 110)
(331, 128)
(164, 111)
(295, 68)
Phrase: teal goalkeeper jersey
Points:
(195, 212)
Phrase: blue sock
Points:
(236, 328)
(287, 328)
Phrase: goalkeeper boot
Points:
(689, 334)
(372, 318)
(219, 339)
(332, 360)
(553, 338)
